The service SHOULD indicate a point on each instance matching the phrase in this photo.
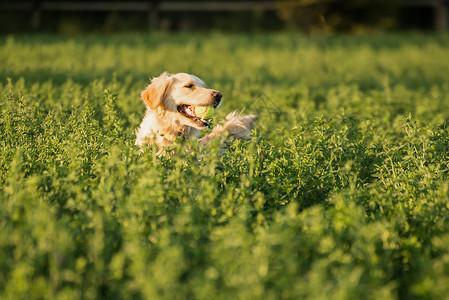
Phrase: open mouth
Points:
(188, 111)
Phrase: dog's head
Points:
(176, 96)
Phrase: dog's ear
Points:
(155, 92)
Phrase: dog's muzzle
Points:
(217, 98)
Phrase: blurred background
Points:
(327, 16)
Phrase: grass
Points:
(342, 193)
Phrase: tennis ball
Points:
(205, 112)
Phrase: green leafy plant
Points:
(342, 192)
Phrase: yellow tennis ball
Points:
(205, 112)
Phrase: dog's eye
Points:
(189, 86)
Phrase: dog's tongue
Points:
(190, 110)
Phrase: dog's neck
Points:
(173, 130)
(158, 127)
(167, 137)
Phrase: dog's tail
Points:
(236, 126)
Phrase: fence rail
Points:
(140, 5)
(440, 7)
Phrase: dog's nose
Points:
(217, 97)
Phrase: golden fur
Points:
(164, 122)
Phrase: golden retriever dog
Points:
(170, 114)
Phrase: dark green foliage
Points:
(341, 194)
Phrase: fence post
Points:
(441, 16)
(36, 15)
(153, 14)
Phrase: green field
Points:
(343, 193)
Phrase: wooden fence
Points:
(153, 8)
